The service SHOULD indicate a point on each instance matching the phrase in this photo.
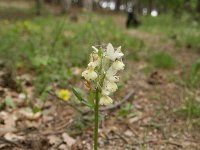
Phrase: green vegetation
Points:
(48, 47)
(191, 109)
(194, 78)
(184, 29)
(162, 60)
(126, 111)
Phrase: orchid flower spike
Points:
(102, 71)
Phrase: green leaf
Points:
(9, 102)
(80, 98)
(78, 95)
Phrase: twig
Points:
(121, 137)
(173, 143)
(144, 142)
(11, 142)
(126, 98)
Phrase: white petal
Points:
(105, 100)
(110, 52)
(94, 64)
(95, 49)
(94, 60)
(111, 72)
(105, 92)
(118, 65)
(113, 78)
(118, 53)
(89, 74)
(110, 86)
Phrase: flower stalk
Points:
(96, 118)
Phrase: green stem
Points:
(96, 125)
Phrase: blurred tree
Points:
(88, 4)
(187, 5)
(38, 4)
(198, 6)
(118, 4)
(150, 6)
(139, 6)
(66, 5)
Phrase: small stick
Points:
(120, 103)
(173, 143)
(11, 142)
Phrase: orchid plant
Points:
(101, 78)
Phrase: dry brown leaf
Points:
(67, 139)
(13, 137)
(30, 115)
(54, 140)
(136, 118)
(128, 133)
(63, 147)
(9, 123)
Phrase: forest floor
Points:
(155, 114)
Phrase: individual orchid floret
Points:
(105, 100)
(89, 74)
(118, 65)
(94, 60)
(112, 54)
(110, 86)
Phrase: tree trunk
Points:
(198, 6)
(138, 6)
(88, 5)
(187, 5)
(38, 5)
(66, 5)
(118, 3)
(150, 6)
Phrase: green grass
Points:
(192, 76)
(162, 60)
(184, 30)
(195, 74)
(48, 47)
(191, 109)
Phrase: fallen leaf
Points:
(136, 118)
(13, 137)
(54, 140)
(63, 147)
(67, 139)
(9, 123)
